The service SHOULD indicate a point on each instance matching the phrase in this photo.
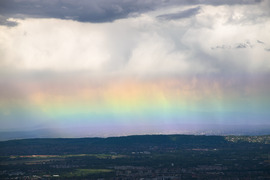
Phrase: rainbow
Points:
(132, 101)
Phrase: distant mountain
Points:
(107, 131)
(40, 133)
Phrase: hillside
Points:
(127, 144)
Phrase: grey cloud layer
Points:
(97, 10)
(182, 14)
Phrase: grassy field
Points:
(86, 172)
(40, 159)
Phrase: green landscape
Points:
(137, 157)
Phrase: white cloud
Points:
(54, 44)
(142, 45)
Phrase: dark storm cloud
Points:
(4, 21)
(243, 45)
(97, 10)
(182, 14)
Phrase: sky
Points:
(133, 67)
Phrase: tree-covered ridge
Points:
(126, 144)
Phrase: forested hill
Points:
(127, 144)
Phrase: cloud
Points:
(179, 15)
(142, 45)
(98, 10)
(244, 45)
(7, 22)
